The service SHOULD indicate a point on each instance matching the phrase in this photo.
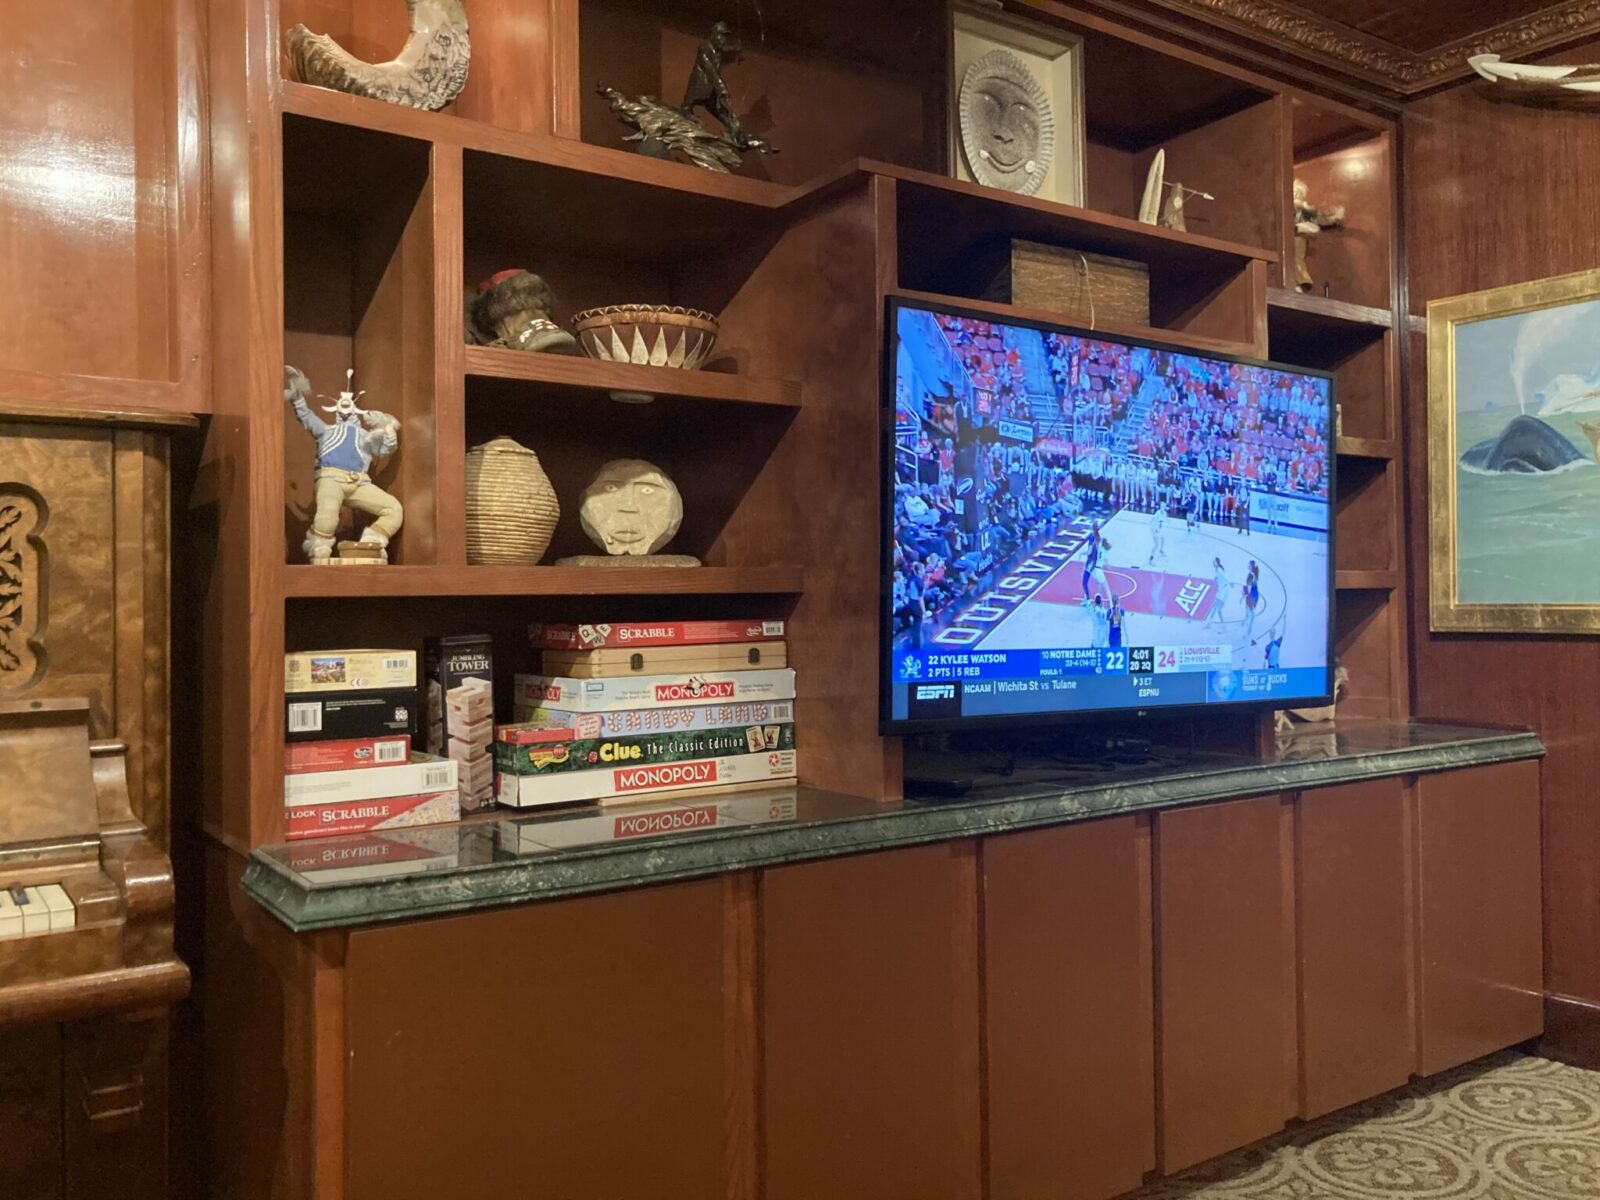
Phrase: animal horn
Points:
(428, 73)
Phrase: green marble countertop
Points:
(397, 875)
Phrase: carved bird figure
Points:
(428, 73)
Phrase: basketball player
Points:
(1102, 622)
(1114, 619)
(1274, 648)
(1252, 598)
(1158, 536)
(1092, 564)
(1222, 592)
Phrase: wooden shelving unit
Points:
(356, 228)
(570, 372)
(332, 583)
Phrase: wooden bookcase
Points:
(347, 230)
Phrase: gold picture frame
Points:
(1506, 500)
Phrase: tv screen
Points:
(1079, 523)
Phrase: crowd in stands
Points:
(1021, 493)
(1224, 423)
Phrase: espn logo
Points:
(934, 701)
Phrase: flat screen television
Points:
(1079, 523)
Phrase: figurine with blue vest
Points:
(348, 443)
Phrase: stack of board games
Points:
(348, 765)
(626, 711)
(460, 686)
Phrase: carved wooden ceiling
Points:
(1401, 47)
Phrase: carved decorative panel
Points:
(83, 585)
(21, 587)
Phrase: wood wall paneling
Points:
(869, 1023)
(1224, 949)
(1353, 908)
(598, 1027)
(1067, 1021)
(1478, 888)
(1492, 190)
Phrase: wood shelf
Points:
(338, 108)
(943, 198)
(1014, 312)
(572, 371)
(307, 582)
(1356, 447)
(1366, 581)
(1322, 308)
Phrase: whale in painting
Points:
(1527, 446)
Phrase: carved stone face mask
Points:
(1007, 128)
(631, 508)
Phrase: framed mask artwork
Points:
(1513, 443)
(1016, 110)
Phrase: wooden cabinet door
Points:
(1224, 977)
(869, 1021)
(1069, 1031)
(1353, 911)
(581, 1048)
(1480, 923)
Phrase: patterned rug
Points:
(1508, 1128)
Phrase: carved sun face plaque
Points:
(1008, 132)
(631, 508)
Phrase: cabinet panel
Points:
(1068, 1023)
(1224, 977)
(869, 1004)
(590, 1032)
(1480, 922)
(1353, 910)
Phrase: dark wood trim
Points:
(1571, 1032)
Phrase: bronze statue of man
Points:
(706, 89)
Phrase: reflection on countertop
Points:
(505, 858)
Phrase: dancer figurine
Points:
(1309, 221)
(347, 444)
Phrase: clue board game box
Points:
(458, 675)
(520, 751)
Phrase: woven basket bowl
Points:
(511, 508)
(647, 335)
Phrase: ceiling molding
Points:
(1390, 68)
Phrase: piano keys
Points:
(86, 897)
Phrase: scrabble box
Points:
(661, 633)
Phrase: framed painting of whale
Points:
(1514, 458)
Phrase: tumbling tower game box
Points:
(460, 698)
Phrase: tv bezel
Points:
(888, 724)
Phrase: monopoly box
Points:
(653, 691)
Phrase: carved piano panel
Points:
(87, 967)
